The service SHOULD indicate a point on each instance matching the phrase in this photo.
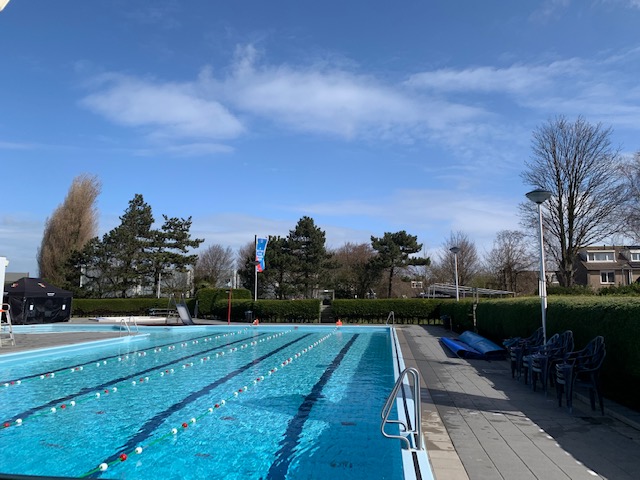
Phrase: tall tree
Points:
(129, 259)
(354, 275)
(214, 265)
(467, 260)
(169, 249)
(70, 227)
(278, 274)
(306, 244)
(128, 245)
(577, 164)
(631, 175)
(393, 253)
(509, 260)
(246, 267)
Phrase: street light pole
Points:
(538, 197)
(455, 251)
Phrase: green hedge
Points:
(617, 319)
(273, 311)
(377, 311)
(90, 307)
(207, 299)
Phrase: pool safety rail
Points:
(407, 433)
(127, 321)
(391, 317)
(6, 327)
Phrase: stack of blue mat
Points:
(472, 345)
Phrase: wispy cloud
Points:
(515, 79)
(16, 146)
(165, 110)
(460, 109)
(312, 99)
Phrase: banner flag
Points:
(261, 247)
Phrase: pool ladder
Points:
(391, 317)
(414, 433)
(6, 326)
(127, 324)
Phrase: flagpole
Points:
(255, 268)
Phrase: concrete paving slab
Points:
(500, 428)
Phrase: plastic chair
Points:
(518, 347)
(527, 360)
(585, 365)
(544, 361)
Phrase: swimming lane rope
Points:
(141, 380)
(183, 427)
(120, 358)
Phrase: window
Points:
(635, 256)
(607, 276)
(416, 284)
(600, 256)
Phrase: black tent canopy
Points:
(33, 300)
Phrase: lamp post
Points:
(455, 251)
(538, 197)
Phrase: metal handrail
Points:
(126, 324)
(392, 317)
(6, 327)
(416, 431)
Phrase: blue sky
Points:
(367, 116)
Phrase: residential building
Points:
(606, 266)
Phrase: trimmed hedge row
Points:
(274, 311)
(97, 307)
(207, 299)
(617, 319)
(376, 311)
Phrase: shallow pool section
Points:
(205, 402)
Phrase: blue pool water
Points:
(214, 402)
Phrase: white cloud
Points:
(166, 110)
(464, 110)
(313, 99)
(516, 79)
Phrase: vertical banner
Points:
(261, 247)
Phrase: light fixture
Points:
(539, 196)
(455, 251)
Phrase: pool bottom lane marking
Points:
(288, 444)
(154, 423)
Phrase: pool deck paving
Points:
(478, 422)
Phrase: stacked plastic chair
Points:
(584, 365)
(542, 350)
(519, 347)
(543, 362)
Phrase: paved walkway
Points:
(479, 423)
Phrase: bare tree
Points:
(215, 265)
(577, 164)
(468, 260)
(509, 260)
(631, 174)
(71, 225)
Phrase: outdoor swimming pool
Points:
(205, 402)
